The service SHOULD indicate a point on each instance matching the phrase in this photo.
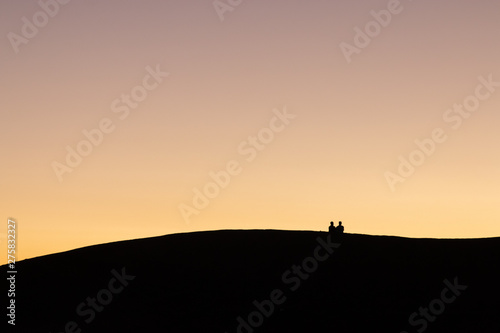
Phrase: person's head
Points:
(331, 223)
(340, 222)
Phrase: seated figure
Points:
(331, 229)
(339, 231)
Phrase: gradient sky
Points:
(352, 119)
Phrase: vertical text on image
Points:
(11, 271)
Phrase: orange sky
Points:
(180, 89)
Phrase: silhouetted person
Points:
(339, 230)
(332, 230)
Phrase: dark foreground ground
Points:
(245, 281)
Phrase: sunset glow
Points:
(131, 119)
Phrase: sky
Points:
(131, 119)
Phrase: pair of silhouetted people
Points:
(336, 232)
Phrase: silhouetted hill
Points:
(204, 281)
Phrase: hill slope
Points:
(213, 281)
